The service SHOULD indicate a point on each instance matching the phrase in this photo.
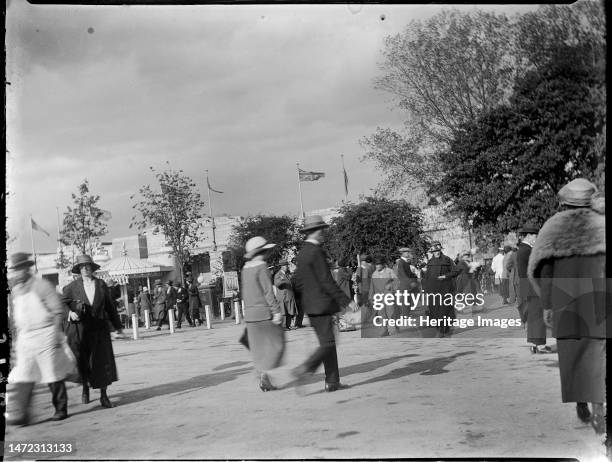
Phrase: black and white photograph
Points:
(305, 231)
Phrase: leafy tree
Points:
(507, 166)
(540, 33)
(443, 71)
(448, 70)
(376, 226)
(85, 221)
(175, 211)
(281, 230)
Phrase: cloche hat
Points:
(84, 260)
(577, 193)
(256, 245)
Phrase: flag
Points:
(345, 181)
(213, 190)
(37, 227)
(310, 176)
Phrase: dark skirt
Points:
(536, 329)
(93, 349)
(267, 344)
(582, 365)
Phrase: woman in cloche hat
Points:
(91, 308)
(567, 267)
(261, 311)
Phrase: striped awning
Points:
(129, 266)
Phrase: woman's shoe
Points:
(582, 409)
(265, 384)
(105, 402)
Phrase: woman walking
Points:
(91, 309)
(261, 311)
(567, 268)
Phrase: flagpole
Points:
(344, 178)
(300, 189)
(211, 213)
(32, 237)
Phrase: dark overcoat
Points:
(343, 279)
(315, 287)
(159, 301)
(442, 266)
(408, 280)
(89, 338)
(530, 306)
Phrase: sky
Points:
(245, 92)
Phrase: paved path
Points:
(194, 395)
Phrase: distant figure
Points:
(285, 295)
(195, 305)
(145, 302)
(568, 268)
(505, 279)
(384, 281)
(159, 301)
(497, 265)
(438, 280)
(182, 303)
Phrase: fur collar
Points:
(575, 232)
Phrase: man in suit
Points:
(320, 298)
(182, 302)
(530, 307)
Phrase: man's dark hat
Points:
(84, 260)
(529, 228)
(312, 223)
(20, 260)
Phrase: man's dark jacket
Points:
(316, 289)
(522, 260)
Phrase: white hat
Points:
(256, 245)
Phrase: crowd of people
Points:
(555, 273)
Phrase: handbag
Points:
(73, 375)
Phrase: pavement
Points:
(194, 395)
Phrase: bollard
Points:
(222, 308)
(171, 319)
(242, 303)
(237, 311)
(147, 319)
(135, 326)
(207, 309)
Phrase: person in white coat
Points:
(497, 265)
(40, 356)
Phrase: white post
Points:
(242, 303)
(207, 309)
(171, 319)
(237, 311)
(135, 326)
(147, 319)
(222, 308)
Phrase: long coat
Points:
(159, 301)
(511, 266)
(89, 338)
(442, 266)
(318, 292)
(567, 268)
(467, 283)
(530, 306)
(285, 294)
(343, 278)
(408, 279)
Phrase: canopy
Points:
(128, 266)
